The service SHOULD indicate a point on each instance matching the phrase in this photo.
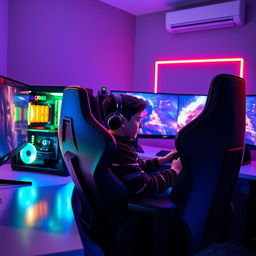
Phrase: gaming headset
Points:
(115, 120)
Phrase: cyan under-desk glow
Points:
(37, 219)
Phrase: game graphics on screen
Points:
(13, 118)
(190, 106)
(160, 116)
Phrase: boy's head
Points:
(123, 112)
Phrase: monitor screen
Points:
(14, 101)
(190, 106)
(250, 134)
(159, 120)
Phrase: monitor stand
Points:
(14, 182)
(246, 157)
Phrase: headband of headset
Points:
(115, 120)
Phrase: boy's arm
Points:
(126, 166)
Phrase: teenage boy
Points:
(123, 114)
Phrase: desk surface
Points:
(37, 219)
(246, 171)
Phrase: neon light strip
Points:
(164, 62)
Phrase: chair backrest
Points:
(87, 148)
(211, 150)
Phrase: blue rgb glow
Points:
(37, 208)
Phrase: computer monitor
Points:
(160, 116)
(184, 108)
(190, 106)
(13, 120)
(250, 133)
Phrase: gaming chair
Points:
(211, 150)
(108, 216)
(99, 199)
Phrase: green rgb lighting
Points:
(17, 116)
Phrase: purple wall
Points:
(153, 43)
(64, 42)
(3, 37)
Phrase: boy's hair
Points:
(130, 106)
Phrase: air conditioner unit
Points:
(226, 14)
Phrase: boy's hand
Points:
(168, 158)
(177, 165)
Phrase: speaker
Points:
(115, 120)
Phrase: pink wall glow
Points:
(64, 42)
(185, 72)
(154, 43)
(3, 37)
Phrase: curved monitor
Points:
(160, 116)
(250, 133)
(14, 101)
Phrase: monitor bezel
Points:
(17, 84)
(47, 88)
(247, 145)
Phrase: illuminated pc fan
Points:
(28, 154)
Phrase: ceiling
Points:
(141, 7)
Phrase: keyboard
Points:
(163, 152)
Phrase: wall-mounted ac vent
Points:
(226, 14)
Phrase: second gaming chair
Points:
(211, 150)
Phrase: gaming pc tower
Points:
(42, 152)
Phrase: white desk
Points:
(37, 219)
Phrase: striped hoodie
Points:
(135, 172)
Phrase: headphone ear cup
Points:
(114, 122)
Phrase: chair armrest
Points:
(154, 206)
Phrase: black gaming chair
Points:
(211, 150)
(99, 199)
